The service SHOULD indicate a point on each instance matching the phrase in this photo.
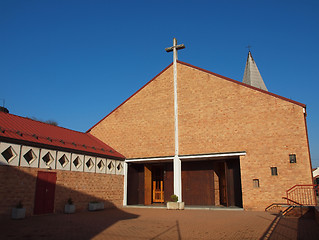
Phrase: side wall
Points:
(216, 115)
(19, 184)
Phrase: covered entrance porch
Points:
(206, 180)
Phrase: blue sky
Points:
(75, 61)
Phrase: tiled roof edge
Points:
(98, 140)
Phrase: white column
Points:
(177, 162)
(177, 168)
(125, 166)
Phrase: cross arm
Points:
(178, 47)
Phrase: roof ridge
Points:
(244, 84)
(204, 70)
(48, 137)
(45, 123)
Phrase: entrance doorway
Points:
(212, 182)
(157, 184)
(44, 193)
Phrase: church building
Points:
(209, 139)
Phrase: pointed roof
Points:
(20, 129)
(252, 76)
(209, 72)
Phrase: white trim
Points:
(234, 154)
(125, 184)
(149, 159)
(183, 157)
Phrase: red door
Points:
(44, 193)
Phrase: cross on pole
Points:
(177, 166)
(174, 48)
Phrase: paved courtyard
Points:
(149, 223)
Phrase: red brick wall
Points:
(215, 115)
(144, 125)
(19, 183)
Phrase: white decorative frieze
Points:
(90, 163)
(100, 165)
(63, 161)
(77, 162)
(119, 169)
(29, 157)
(110, 166)
(48, 158)
(9, 154)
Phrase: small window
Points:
(274, 171)
(256, 183)
(292, 158)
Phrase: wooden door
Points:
(233, 178)
(198, 183)
(147, 185)
(135, 184)
(44, 193)
(158, 184)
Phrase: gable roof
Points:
(24, 130)
(209, 72)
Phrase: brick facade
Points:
(216, 115)
(19, 183)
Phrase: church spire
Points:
(251, 75)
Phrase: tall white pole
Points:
(177, 166)
(177, 162)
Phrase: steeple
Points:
(251, 75)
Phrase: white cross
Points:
(177, 162)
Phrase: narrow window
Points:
(256, 183)
(274, 171)
(292, 158)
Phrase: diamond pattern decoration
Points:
(119, 167)
(77, 162)
(9, 154)
(63, 161)
(101, 165)
(30, 157)
(110, 166)
(89, 163)
(48, 159)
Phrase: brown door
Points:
(147, 185)
(198, 183)
(135, 184)
(233, 183)
(158, 184)
(44, 193)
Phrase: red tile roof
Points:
(19, 129)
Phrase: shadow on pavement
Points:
(21, 183)
(293, 227)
